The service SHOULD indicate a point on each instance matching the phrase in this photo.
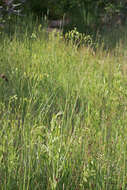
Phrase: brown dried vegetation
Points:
(4, 77)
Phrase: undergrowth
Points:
(63, 113)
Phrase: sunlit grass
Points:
(63, 114)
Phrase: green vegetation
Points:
(83, 13)
(63, 110)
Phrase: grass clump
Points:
(62, 114)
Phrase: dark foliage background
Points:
(8, 8)
(82, 13)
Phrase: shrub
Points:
(77, 39)
(9, 8)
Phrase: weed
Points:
(63, 113)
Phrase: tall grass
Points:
(63, 114)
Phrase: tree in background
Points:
(88, 10)
(82, 13)
(9, 8)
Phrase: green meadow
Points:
(63, 110)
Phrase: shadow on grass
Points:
(105, 37)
